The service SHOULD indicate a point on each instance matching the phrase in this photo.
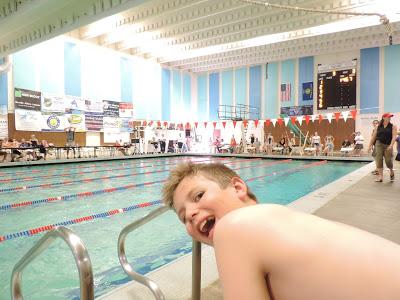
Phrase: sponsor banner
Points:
(308, 91)
(27, 100)
(297, 110)
(28, 120)
(112, 137)
(94, 105)
(54, 122)
(73, 104)
(110, 108)
(76, 120)
(111, 124)
(3, 126)
(53, 104)
(126, 125)
(125, 110)
(94, 121)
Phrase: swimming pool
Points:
(96, 200)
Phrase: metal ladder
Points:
(79, 251)
(154, 288)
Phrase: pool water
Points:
(119, 186)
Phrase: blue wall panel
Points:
(176, 100)
(369, 81)
(306, 74)
(240, 85)
(227, 87)
(3, 87)
(271, 91)
(287, 76)
(72, 69)
(126, 79)
(187, 92)
(166, 94)
(202, 113)
(213, 97)
(392, 78)
(24, 74)
(255, 89)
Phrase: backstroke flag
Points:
(286, 92)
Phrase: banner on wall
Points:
(111, 124)
(112, 137)
(286, 92)
(125, 110)
(308, 91)
(94, 105)
(27, 100)
(28, 120)
(297, 110)
(54, 122)
(3, 121)
(73, 104)
(94, 121)
(76, 120)
(53, 104)
(110, 108)
(126, 125)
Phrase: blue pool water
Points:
(53, 275)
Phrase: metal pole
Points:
(196, 270)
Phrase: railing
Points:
(79, 251)
(154, 288)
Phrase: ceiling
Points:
(201, 35)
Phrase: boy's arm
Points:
(240, 261)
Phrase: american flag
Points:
(285, 92)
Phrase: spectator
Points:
(384, 138)
(359, 143)
(3, 152)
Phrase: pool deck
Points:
(354, 199)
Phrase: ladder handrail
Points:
(154, 288)
(79, 251)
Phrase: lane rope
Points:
(31, 232)
(30, 203)
(71, 182)
(8, 180)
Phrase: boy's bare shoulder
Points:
(248, 221)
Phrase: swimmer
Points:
(268, 251)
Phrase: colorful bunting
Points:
(307, 119)
(256, 123)
(273, 121)
(329, 117)
(224, 124)
(354, 113)
(345, 114)
(280, 121)
(337, 116)
(195, 124)
(234, 124)
(286, 119)
(300, 119)
(214, 124)
(268, 122)
(293, 119)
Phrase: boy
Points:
(268, 251)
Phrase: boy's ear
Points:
(240, 187)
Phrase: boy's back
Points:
(300, 256)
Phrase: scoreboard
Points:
(336, 89)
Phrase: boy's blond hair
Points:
(216, 172)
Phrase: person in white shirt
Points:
(316, 142)
(359, 143)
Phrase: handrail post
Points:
(154, 288)
(196, 270)
(79, 251)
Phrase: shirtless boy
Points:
(268, 251)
